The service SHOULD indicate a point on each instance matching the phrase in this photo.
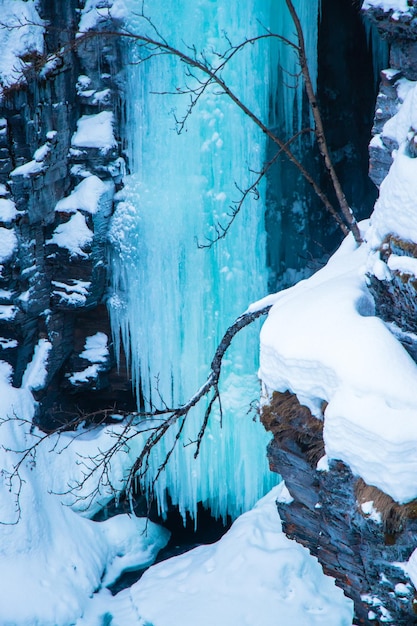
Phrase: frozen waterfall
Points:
(171, 301)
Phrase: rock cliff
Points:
(57, 184)
(361, 536)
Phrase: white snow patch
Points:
(95, 349)
(322, 342)
(59, 557)
(8, 244)
(73, 235)
(371, 512)
(135, 543)
(403, 264)
(254, 576)
(95, 11)
(74, 294)
(95, 131)
(284, 495)
(86, 196)
(6, 344)
(7, 312)
(8, 211)
(411, 568)
(31, 168)
(387, 5)
(89, 373)
(36, 372)
(323, 464)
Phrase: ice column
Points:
(171, 300)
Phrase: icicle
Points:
(378, 46)
(289, 96)
(172, 301)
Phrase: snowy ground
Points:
(253, 576)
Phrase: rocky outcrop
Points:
(400, 30)
(57, 182)
(361, 537)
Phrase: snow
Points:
(403, 264)
(322, 341)
(74, 294)
(95, 11)
(371, 512)
(95, 349)
(6, 344)
(397, 190)
(86, 196)
(7, 312)
(21, 32)
(8, 211)
(323, 464)
(135, 542)
(8, 244)
(36, 371)
(95, 131)
(73, 235)
(254, 575)
(387, 5)
(58, 557)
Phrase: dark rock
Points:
(57, 295)
(363, 555)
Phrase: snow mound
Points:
(322, 342)
(253, 576)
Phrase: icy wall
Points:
(172, 299)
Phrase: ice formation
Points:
(172, 300)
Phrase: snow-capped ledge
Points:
(322, 342)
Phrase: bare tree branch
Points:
(156, 423)
(319, 130)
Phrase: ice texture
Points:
(171, 300)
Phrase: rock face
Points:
(360, 544)
(359, 534)
(57, 185)
(400, 30)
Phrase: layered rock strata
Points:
(58, 176)
(363, 546)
